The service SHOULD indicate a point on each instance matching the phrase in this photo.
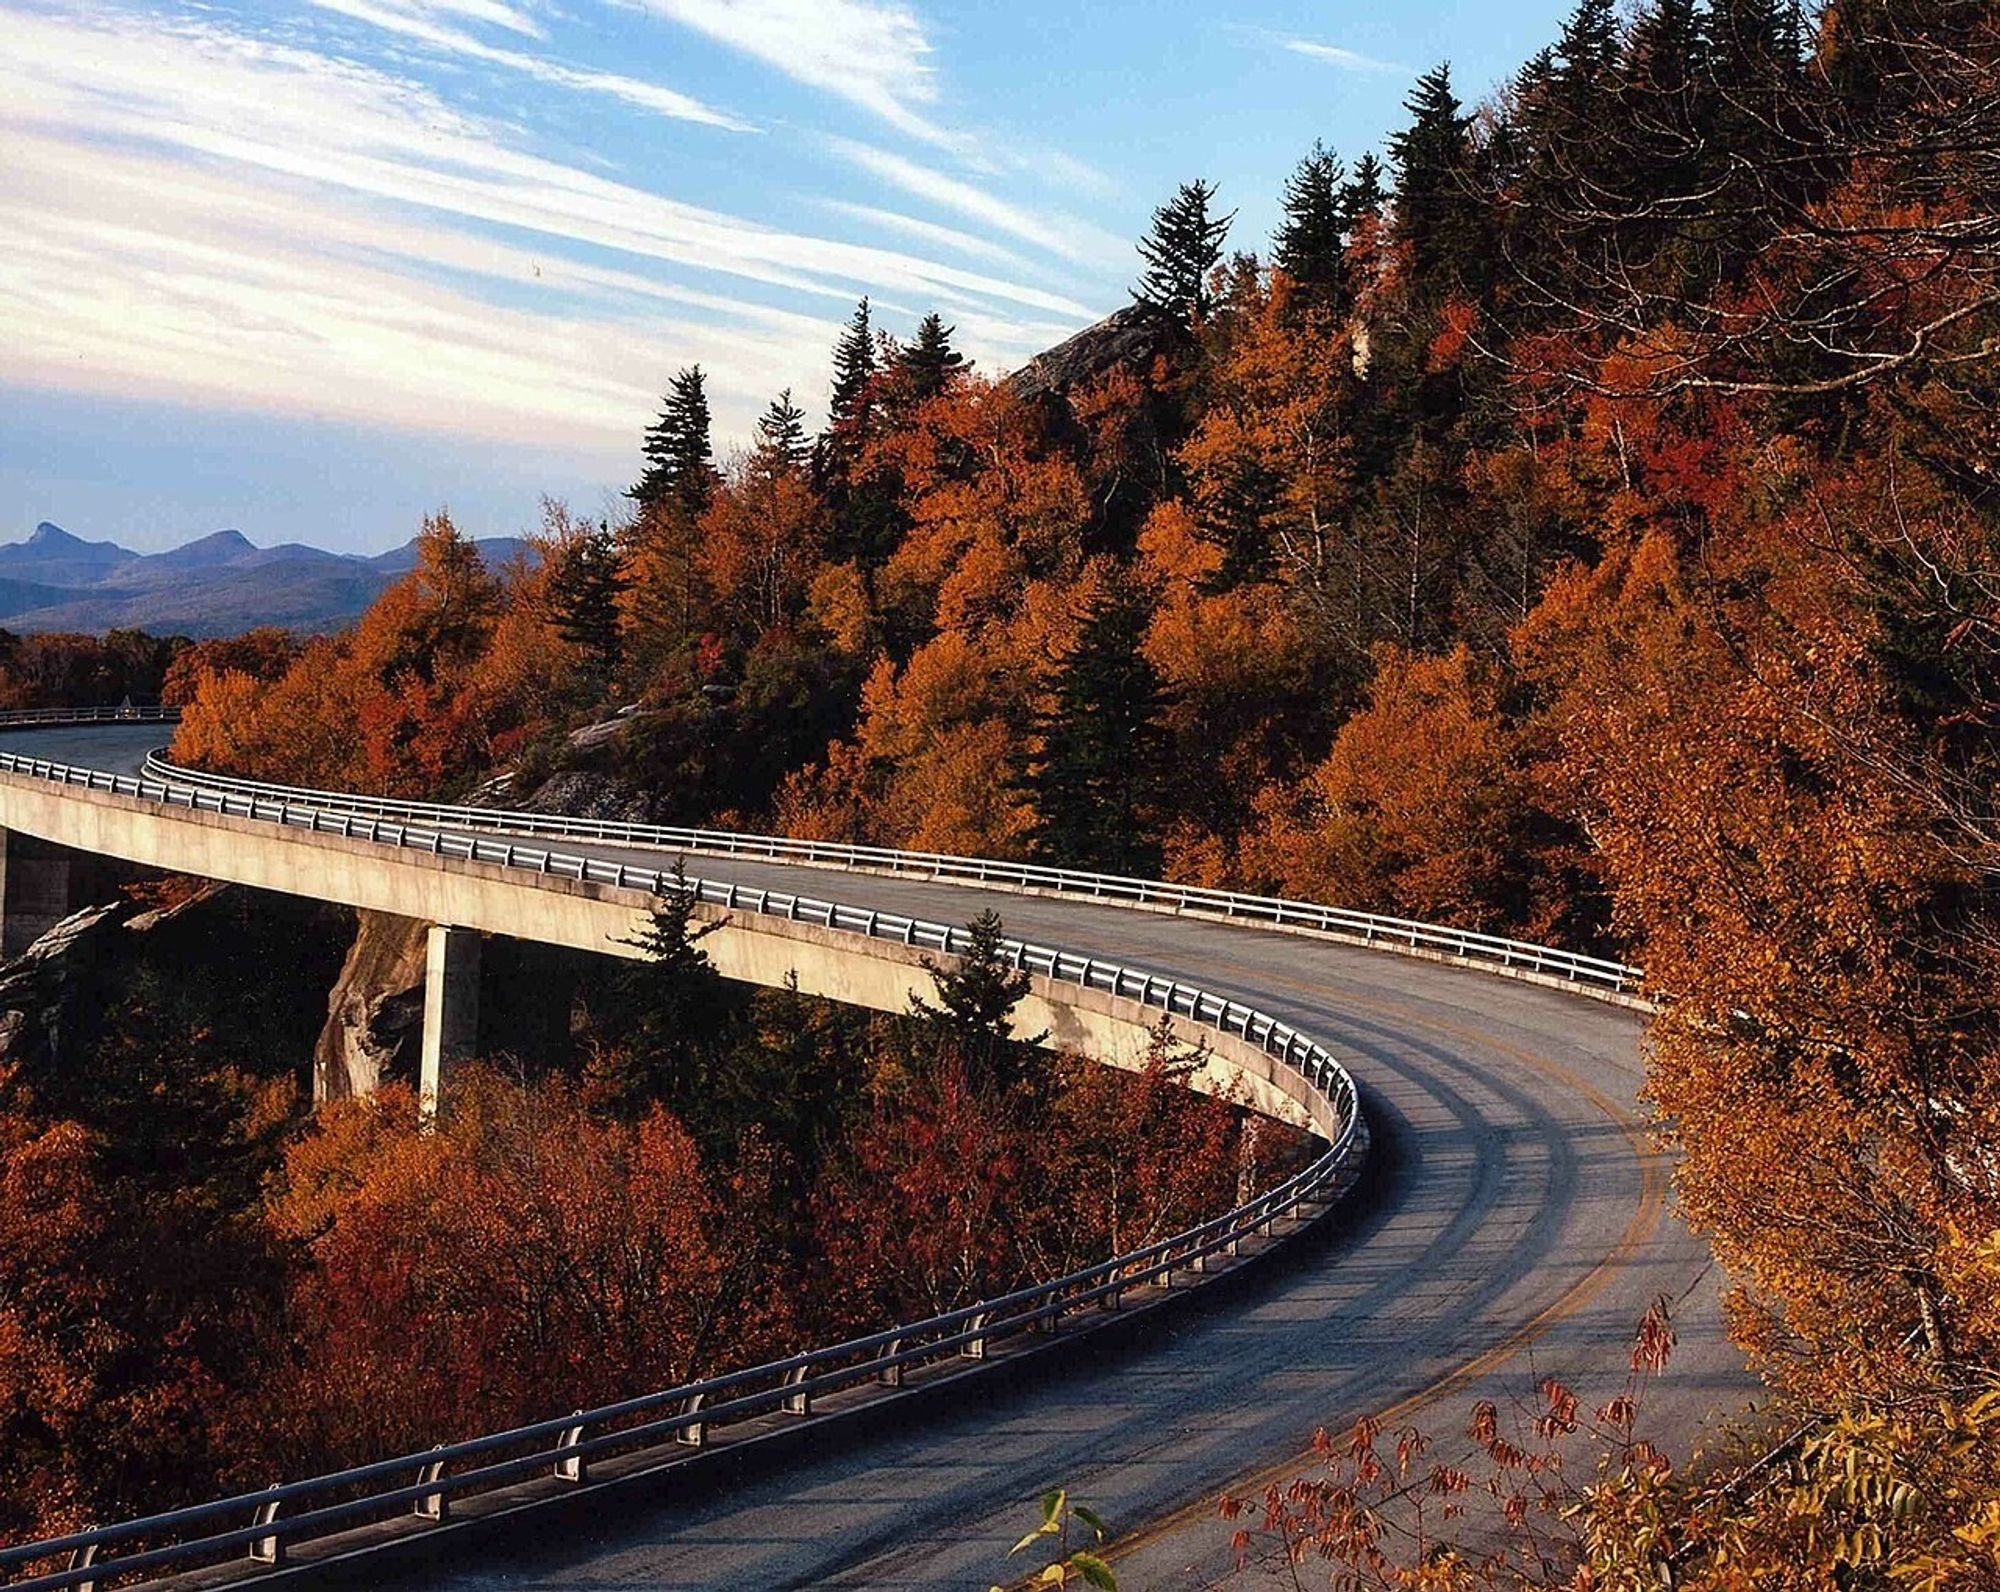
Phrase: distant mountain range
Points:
(214, 586)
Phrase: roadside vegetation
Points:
(1581, 525)
(204, 1286)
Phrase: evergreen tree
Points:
(928, 366)
(1098, 777)
(868, 520)
(975, 1005)
(583, 598)
(1363, 194)
(853, 371)
(675, 1015)
(1310, 246)
(1665, 52)
(1588, 47)
(781, 435)
(1184, 246)
(680, 457)
(1436, 213)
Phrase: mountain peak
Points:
(51, 537)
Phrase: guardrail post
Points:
(82, 1559)
(892, 1375)
(695, 1433)
(974, 1348)
(799, 1400)
(571, 1465)
(267, 1550)
(432, 1506)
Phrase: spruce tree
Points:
(974, 1012)
(680, 457)
(1309, 247)
(853, 371)
(583, 593)
(674, 1015)
(1184, 246)
(781, 435)
(1588, 47)
(1363, 194)
(1098, 774)
(868, 521)
(929, 364)
(1436, 214)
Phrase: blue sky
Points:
(311, 269)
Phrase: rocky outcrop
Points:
(39, 987)
(585, 793)
(375, 1014)
(1129, 339)
(58, 977)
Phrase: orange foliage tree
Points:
(530, 1255)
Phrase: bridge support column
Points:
(451, 1008)
(37, 890)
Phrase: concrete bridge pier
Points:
(40, 885)
(451, 1009)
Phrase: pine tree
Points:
(781, 436)
(866, 512)
(680, 457)
(1184, 246)
(675, 1010)
(1588, 47)
(1436, 214)
(853, 372)
(975, 1006)
(1098, 777)
(1363, 194)
(1665, 53)
(1309, 243)
(929, 365)
(583, 599)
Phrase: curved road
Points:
(1515, 1224)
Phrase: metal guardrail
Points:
(258, 1526)
(1370, 928)
(21, 718)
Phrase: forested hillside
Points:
(1581, 523)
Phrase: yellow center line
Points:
(1638, 1230)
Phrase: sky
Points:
(313, 270)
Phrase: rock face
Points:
(57, 977)
(38, 986)
(1131, 338)
(583, 793)
(375, 1014)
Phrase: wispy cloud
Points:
(1338, 55)
(1061, 235)
(496, 12)
(872, 53)
(200, 213)
(414, 22)
(930, 231)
